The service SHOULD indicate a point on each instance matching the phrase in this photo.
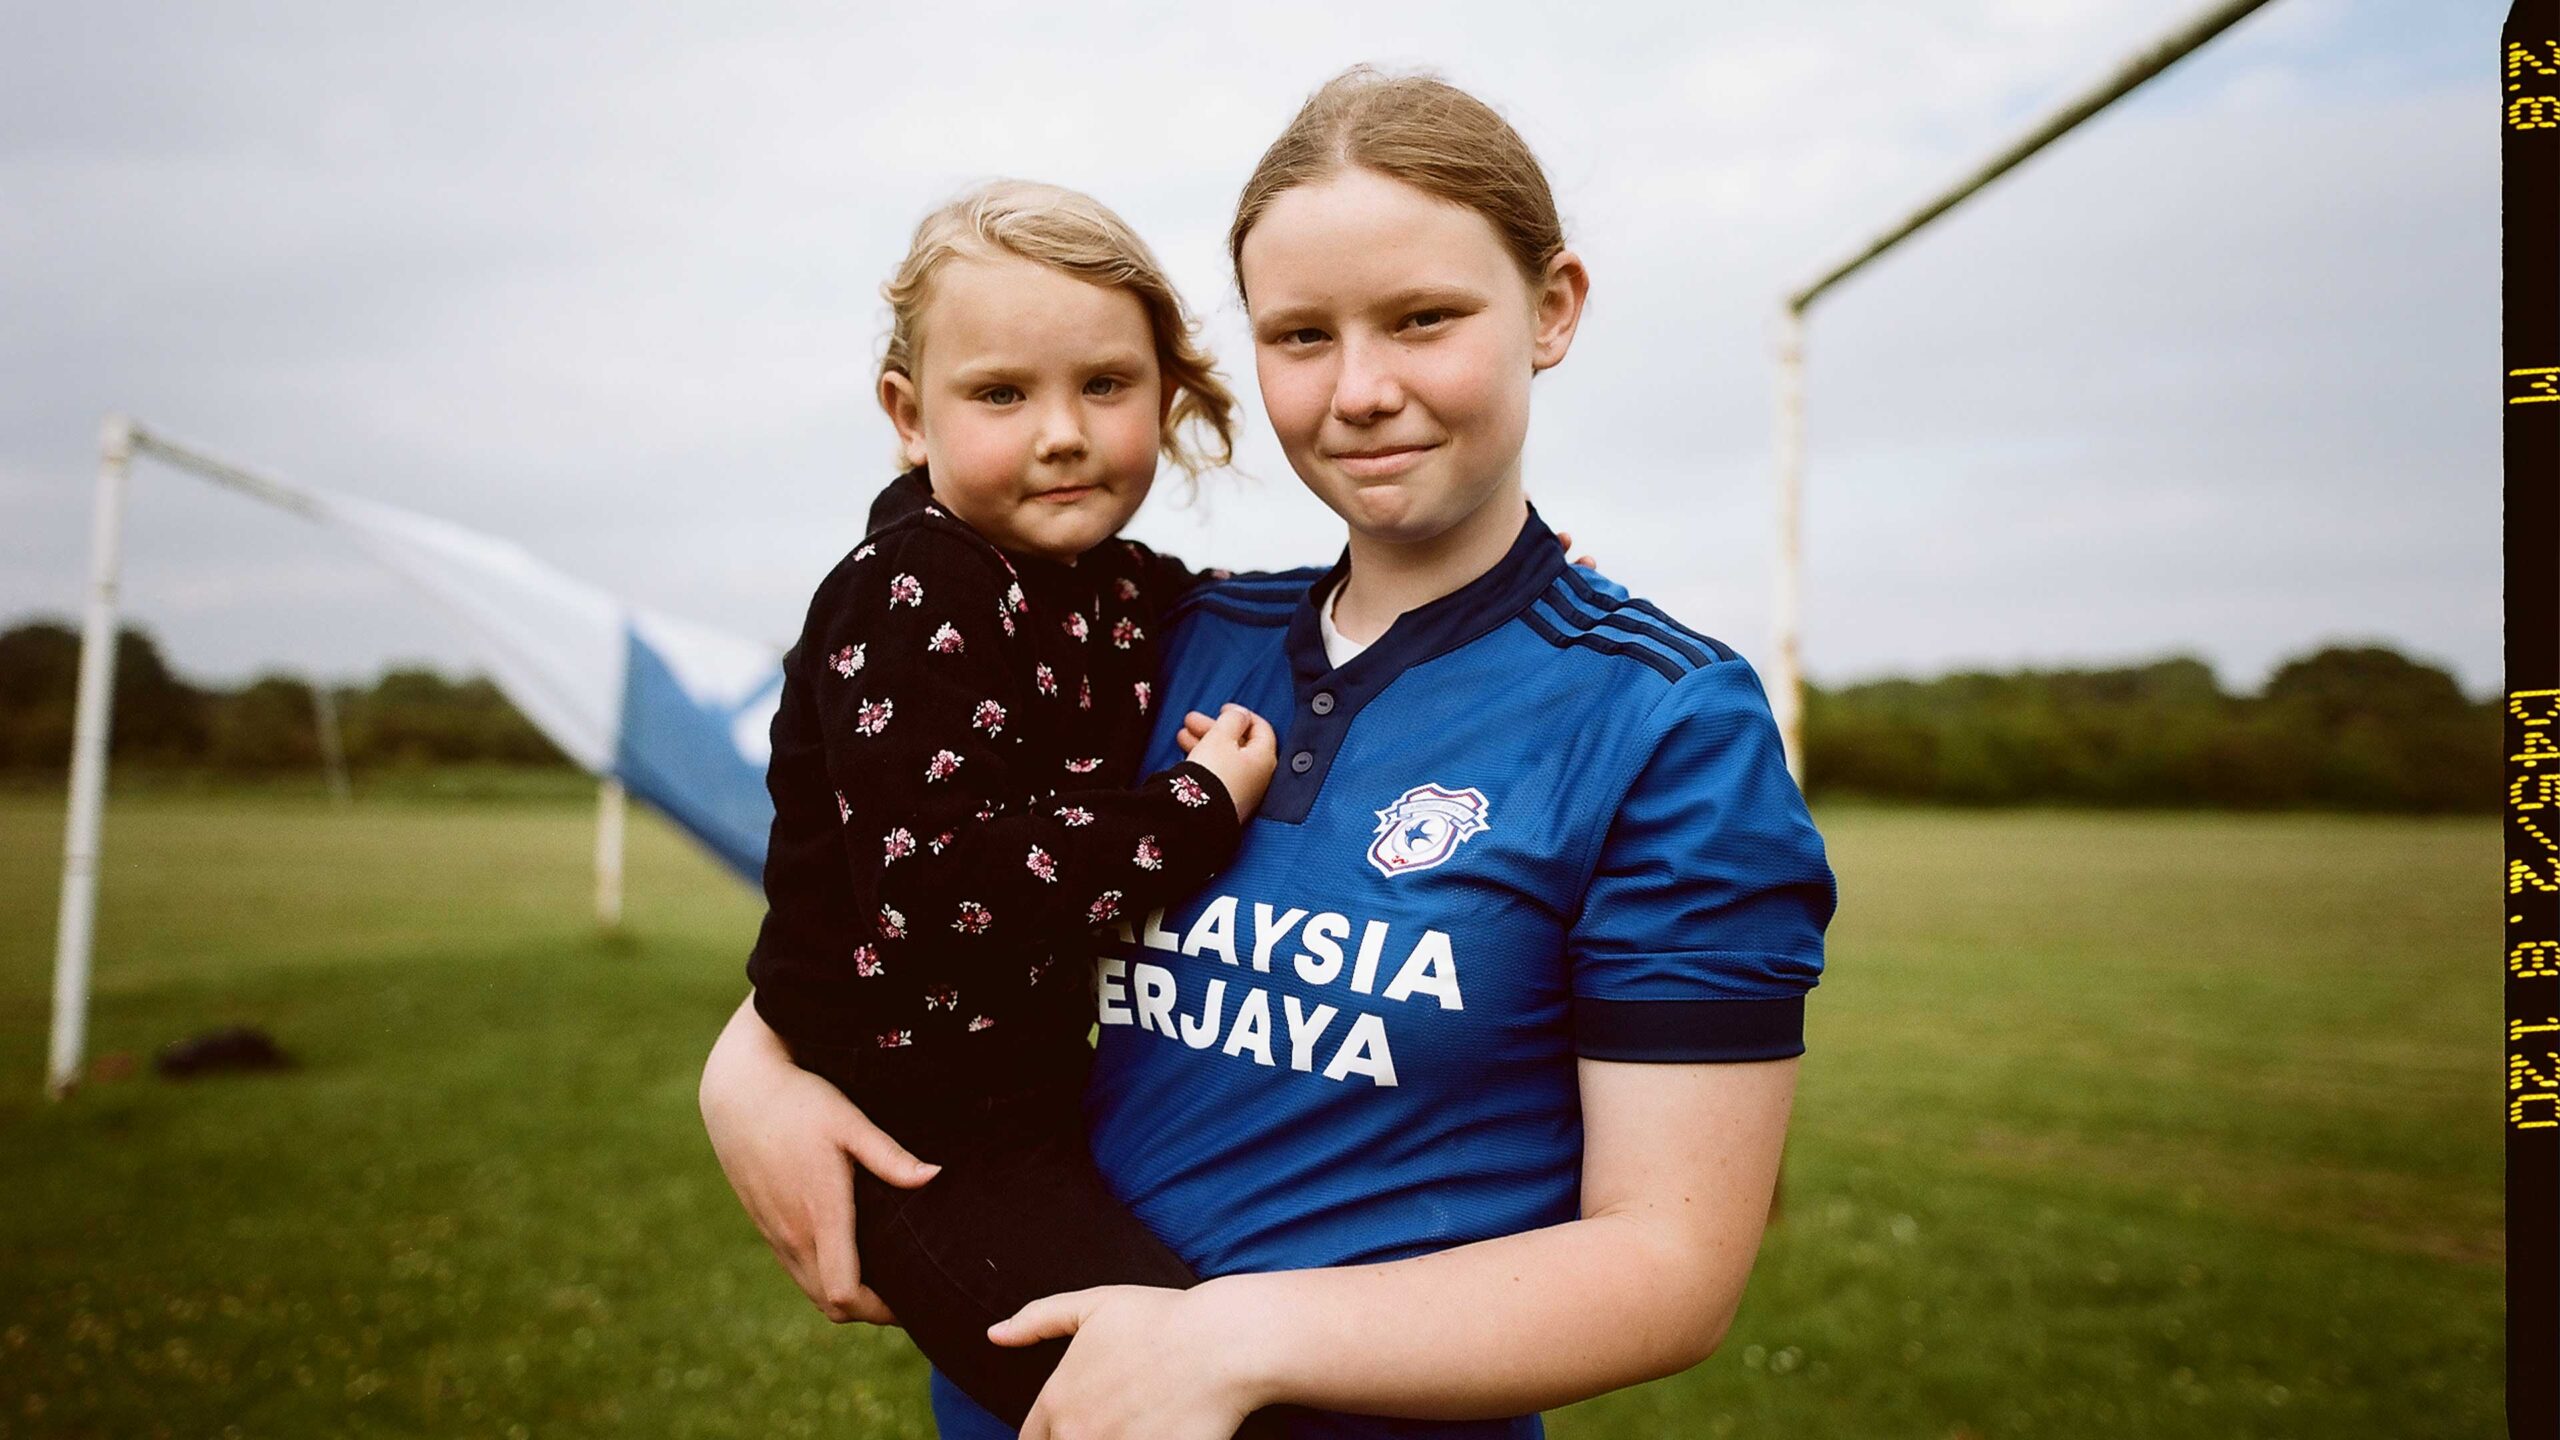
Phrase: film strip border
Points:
(2529, 152)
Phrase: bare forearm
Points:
(1501, 1327)
(1680, 1162)
(743, 1041)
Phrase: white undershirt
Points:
(1337, 650)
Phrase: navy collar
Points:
(1328, 699)
(1472, 610)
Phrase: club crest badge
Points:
(1425, 826)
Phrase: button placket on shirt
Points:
(1323, 718)
(1320, 703)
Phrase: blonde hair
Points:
(1424, 131)
(1072, 232)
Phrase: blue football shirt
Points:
(1536, 820)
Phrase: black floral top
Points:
(952, 808)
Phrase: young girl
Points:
(960, 723)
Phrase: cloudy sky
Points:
(2213, 376)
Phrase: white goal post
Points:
(75, 923)
(1786, 697)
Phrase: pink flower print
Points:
(1125, 633)
(974, 918)
(873, 717)
(990, 717)
(939, 842)
(897, 1039)
(898, 844)
(865, 553)
(1004, 617)
(1125, 588)
(866, 961)
(844, 811)
(1190, 792)
(1039, 863)
(906, 590)
(848, 661)
(893, 926)
(1039, 968)
(1150, 854)
(1084, 767)
(1075, 625)
(1014, 597)
(1220, 573)
(1084, 692)
(1104, 909)
(1046, 679)
(986, 812)
(1146, 696)
(946, 641)
(942, 766)
(978, 1023)
(1076, 815)
(942, 997)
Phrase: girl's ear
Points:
(898, 400)
(1558, 309)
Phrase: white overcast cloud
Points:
(2211, 376)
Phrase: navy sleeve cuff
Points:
(1663, 1031)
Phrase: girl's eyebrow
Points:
(988, 372)
(1288, 317)
(1444, 295)
(1430, 297)
(1000, 372)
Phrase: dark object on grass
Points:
(233, 1047)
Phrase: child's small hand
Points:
(1239, 747)
(1195, 726)
(1564, 539)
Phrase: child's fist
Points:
(1239, 748)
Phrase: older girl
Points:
(1468, 1078)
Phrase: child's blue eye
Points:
(1000, 395)
(1105, 385)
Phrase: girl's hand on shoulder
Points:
(1145, 1363)
(1564, 541)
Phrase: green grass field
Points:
(2112, 1125)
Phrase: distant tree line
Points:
(270, 725)
(2348, 728)
(2351, 728)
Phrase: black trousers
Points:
(1017, 1212)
